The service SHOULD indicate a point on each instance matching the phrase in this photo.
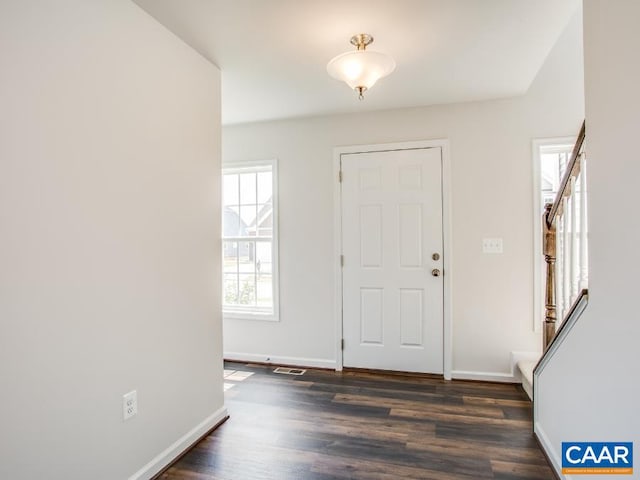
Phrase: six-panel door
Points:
(392, 243)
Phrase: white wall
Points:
(109, 173)
(491, 197)
(589, 390)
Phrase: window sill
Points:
(249, 316)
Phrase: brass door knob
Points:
(435, 272)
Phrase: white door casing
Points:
(392, 225)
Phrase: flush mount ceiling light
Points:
(362, 68)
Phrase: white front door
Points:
(392, 248)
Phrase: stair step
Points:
(525, 367)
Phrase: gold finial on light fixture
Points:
(361, 40)
(362, 68)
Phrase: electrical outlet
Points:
(129, 405)
(492, 245)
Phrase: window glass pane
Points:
(247, 290)
(265, 291)
(230, 190)
(247, 188)
(265, 187)
(550, 169)
(231, 225)
(246, 257)
(263, 258)
(230, 257)
(265, 220)
(230, 289)
(248, 220)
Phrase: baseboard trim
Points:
(484, 376)
(549, 453)
(331, 364)
(278, 360)
(180, 446)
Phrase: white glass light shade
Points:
(361, 68)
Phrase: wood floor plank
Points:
(181, 473)
(349, 468)
(418, 395)
(490, 390)
(513, 471)
(506, 436)
(450, 417)
(391, 454)
(402, 404)
(506, 402)
(327, 425)
(445, 446)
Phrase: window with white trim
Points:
(554, 159)
(550, 159)
(249, 240)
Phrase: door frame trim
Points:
(447, 341)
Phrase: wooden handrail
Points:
(573, 170)
(551, 214)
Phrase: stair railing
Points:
(564, 240)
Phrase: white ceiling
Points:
(273, 53)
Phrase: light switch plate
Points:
(492, 245)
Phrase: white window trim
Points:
(239, 167)
(538, 294)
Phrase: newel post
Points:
(549, 250)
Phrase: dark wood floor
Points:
(327, 425)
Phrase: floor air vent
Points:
(289, 371)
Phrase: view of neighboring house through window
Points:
(249, 241)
